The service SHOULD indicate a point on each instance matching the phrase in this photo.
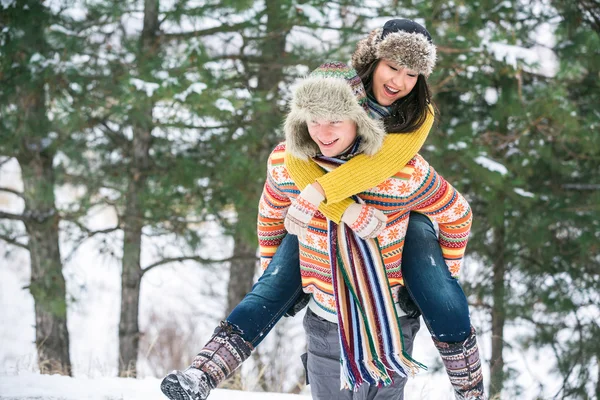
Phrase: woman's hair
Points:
(407, 113)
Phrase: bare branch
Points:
(14, 242)
(7, 159)
(197, 259)
(12, 191)
(90, 232)
(14, 217)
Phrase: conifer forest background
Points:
(134, 137)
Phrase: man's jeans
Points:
(438, 296)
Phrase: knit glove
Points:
(302, 210)
(366, 221)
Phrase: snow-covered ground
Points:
(55, 387)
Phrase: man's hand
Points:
(366, 221)
(302, 210)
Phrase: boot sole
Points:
(171, 388)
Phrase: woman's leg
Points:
(275, 292)
(278, 289)
(443, 305)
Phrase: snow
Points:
(538, 59)
(457, 146)
(523, 193)
(196, 87)
(8, 3)
(491, 165)
(148, 87)
(35, 386)
(225, 105)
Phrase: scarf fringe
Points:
(367, 312)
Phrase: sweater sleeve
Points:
(361, 172)
(272, 209)
(444, 204)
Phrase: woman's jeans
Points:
(438, 296)
(276, 291)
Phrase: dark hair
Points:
(409, 112)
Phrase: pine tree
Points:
(32, 68)
(512, 139)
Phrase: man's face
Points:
(332, 137)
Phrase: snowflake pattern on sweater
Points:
(417, 187)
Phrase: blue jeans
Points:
(436, 293)
(278, 289)
(438, 296)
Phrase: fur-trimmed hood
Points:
(402, 41)
(332, 96)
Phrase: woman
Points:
(397, 94)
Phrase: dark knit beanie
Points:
(402, 41)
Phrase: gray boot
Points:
(219, 358)
(463, 367)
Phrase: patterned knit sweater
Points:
(417, 187)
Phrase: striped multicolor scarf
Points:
(375, 110)
(370, 335)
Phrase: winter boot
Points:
(219, 358)
(463, 367)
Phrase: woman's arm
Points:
(361, 172)
(439, 200)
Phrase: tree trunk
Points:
(241, 273)
(270, 74)
(131, 274)
(133, 220)
(47, 281)
(36, 157)
(498, 315)
(598, 377)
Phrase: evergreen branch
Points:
(190, 126)
(590, 13)
(14, 217)
(208, 31)
(12, 191)
(14, 242)
(581, 186)
(451, 50)
(197, 259)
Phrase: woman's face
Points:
(332, 137)
(392, 82)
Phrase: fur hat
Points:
(402, 41)
(332, 92)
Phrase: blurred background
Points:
(133, 145)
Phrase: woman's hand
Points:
(366, 221)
